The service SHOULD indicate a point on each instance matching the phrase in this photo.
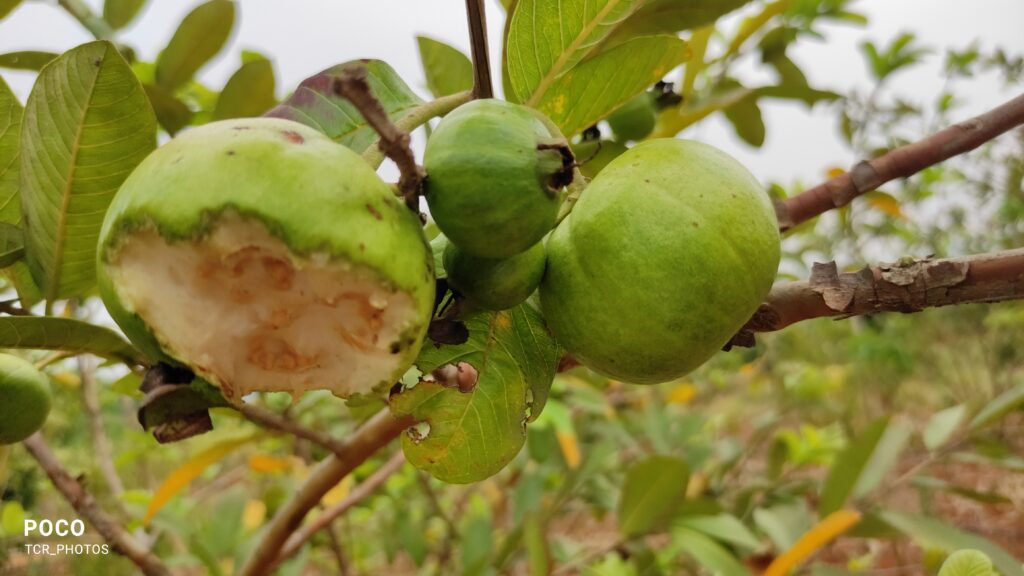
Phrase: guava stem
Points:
(96, 26)
(417, 117)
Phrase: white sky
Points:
(305, 36)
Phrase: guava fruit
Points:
(266, 257)
(494, 283)
(667, 253)
(593, 155)
(494, 177)
(635, 119)
(24, 399)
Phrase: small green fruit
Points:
(594, 155)
(24, 399)
(494, 177)
(266, 257)
(495, 284)
(635, 119)
(667, 253)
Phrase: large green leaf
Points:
(199, 37)
(935, 534)
(672, 16)
(716, 558)
(6, 6)
(120, 13)
(10, 130)
(448, 71)
(654, 490)
(467, 433)
(316, 105)
(249, 92)
(66, 334)
(597, 86)
(547, 38)
(26, 59)
(87, 124)
(12, 244)
(848, 468)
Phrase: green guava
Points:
(494, 177)
(24, 399)
(635, 119)
(495, 283)
(266, 257)
(593, 155)
(667, 253)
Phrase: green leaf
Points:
(724, 527)
(967, 563)
(596, 87)
(171, 113)
(802, 92)
(87, 124)
(448, 71)
(7, 6)
(942, 425)
(883, 458)
(708, 553)
(935, 534)
(315, 104)
(199, 37)
(65, 334)
(672, 17)
(653, 492)
(863, 464)
(249, 92)
(745, 117)
(26, 59)
(547, 39)
(120, 13)
(12, 244)
(784, 523)
(931, 483)
(10, 131)
(468, 434)
(999, 407)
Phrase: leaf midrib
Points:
(58, 246)
(556, 69)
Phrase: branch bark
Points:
(85, 505)
(906, 286)
(270, 420)
(483, 86)
(901, 162)
(394, 142)
(376, 433)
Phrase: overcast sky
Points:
(305, 36)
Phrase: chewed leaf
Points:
(474, 400)
(315, 104)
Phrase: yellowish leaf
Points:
(570, 447)
(269, 464)
(338, 493)
(67, 379)
(183, 475)
(830, 528)
(253, 514)
(835, 172)
(885, 203)
(682, 394)
(748, 369)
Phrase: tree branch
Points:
(376, 433)
(394, 142)
(270, 420)
(901, 162)
(297, 540)
(483, 87)
(906, 286)
(85, 505)
(100, 441)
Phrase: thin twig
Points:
(96, 25)
(901, 162)
(11, 308)
(376, 433)
(352, 85)
(100, 440)
(446, 547)
(357, 495)
(270, 420)
(417, 117)
(907, 286)
(483, 87)
(85, 505)
(336, 550)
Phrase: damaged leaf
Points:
(474, 400)
(177, 404)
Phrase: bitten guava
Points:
(667, 253)
(593, 155)
(24, 399)
(495, 174)
(635, 119)
(266, 257)
(495, 284)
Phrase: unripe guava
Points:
(593, 155)
(667, 253)
(266, 257)
(24, 399)
(493, 283)
(494, 177)
(635, 119)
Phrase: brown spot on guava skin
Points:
(396, 347)
(239, 127)
(376, 213)
(230, 153)
(293, 137)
